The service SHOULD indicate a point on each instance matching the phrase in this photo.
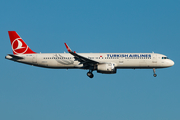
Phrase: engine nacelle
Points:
(107, 68)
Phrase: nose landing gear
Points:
(90, 74)
(154, 72)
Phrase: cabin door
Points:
(154, 60)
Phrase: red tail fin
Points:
(18, 45)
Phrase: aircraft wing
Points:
(83, 60)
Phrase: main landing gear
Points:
(154, 72)
(90, 74)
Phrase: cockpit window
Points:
(165, 58)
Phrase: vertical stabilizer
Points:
(18, 45)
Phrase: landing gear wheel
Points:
(154, 75)
(90, 74)
(154, 72)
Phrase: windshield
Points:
(165, 58)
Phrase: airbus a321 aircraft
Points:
(106, 63)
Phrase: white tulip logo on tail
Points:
(18, 46)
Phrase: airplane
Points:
(105, 63)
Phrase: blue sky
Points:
(28, 92)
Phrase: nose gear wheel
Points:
(90, 74)
(154, 72)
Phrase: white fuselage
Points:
(106, 63)
(120, 60)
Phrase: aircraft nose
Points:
(171, 63)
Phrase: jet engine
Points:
(106, 68)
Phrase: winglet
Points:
(68, 48)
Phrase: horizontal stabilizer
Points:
(10, 56)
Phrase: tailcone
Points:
(8, 57)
